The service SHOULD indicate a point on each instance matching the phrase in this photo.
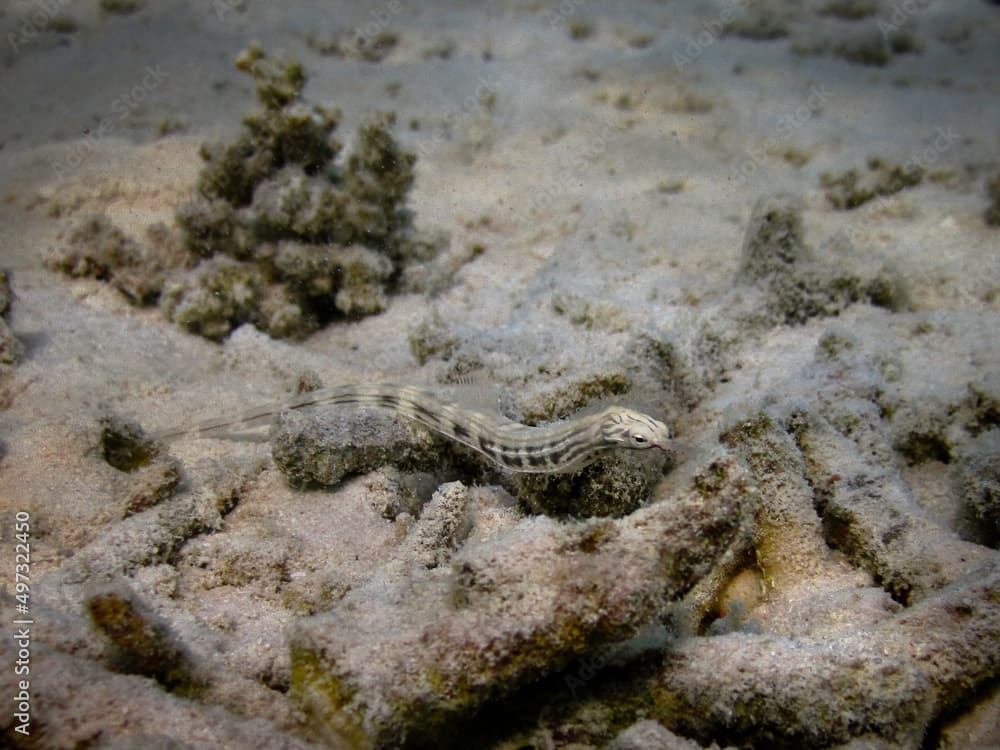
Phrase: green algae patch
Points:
(11, 347)
(120, 7)
(747, 431)
(984, 405)
(854, 188)
(142, 643)
(325, 699)
(124, 445)
(919, 447)
(992, 214)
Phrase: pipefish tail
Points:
(561, 446)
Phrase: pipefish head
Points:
(625, 428)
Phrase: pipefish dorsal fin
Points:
(478, 393)
(478, 397)
(236, 424)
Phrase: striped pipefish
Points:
(562, 446)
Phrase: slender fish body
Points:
(558, 447)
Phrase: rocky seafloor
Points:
(773, 226)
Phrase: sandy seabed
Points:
(768, 224)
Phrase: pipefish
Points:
(562, 446)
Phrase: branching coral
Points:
(280, 233)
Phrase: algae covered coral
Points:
(281, 232)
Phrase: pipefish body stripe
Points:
(557, 447)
